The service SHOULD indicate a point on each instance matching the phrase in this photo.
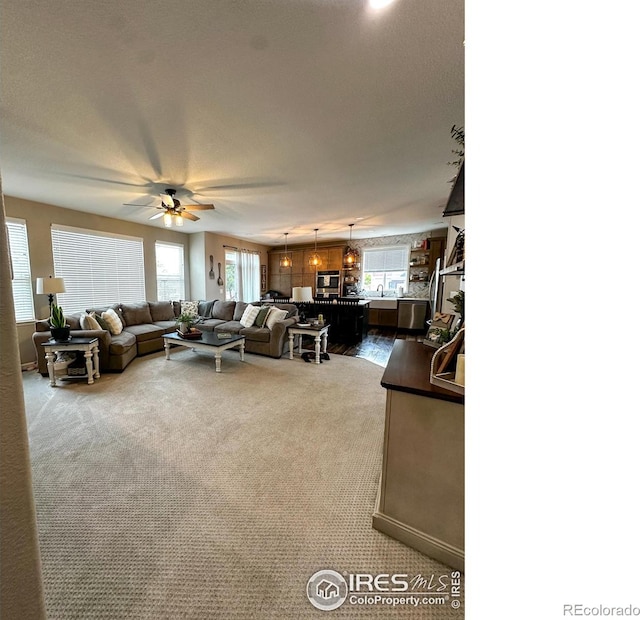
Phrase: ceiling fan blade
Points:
(197, 207)
(157, 215)
(167, 200)
(189, 216)
(130, 204)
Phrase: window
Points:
(230, 272)
(21, 267)
(98, 268)
(385, 266)
(242, 272)
(170, 271)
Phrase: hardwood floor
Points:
(376, 345)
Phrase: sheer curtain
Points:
(248, 276)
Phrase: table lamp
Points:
(50, 286)
(302, 295)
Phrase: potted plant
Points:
(184, 322)
(458, 304)
(60, 331)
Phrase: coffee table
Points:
(319, 332)
(208, 342)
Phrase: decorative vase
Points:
(184, 328)
(61, 334)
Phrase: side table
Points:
(319, 332)
(92, 361)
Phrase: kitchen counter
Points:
(421, 497)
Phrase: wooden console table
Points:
(421, 496)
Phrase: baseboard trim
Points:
(430, 546)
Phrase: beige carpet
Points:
(170, 491)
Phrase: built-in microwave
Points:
(328, 279)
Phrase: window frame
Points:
(181, 275)
(24, 298)
(406, 248)
(99, 268)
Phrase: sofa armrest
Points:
(279, 337)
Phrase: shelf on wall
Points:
(457, 269)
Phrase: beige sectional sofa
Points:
(146, 322)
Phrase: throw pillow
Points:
(189, 307)
(249, 315)
(274, 316)
(113, 321)
(261, 318)
(89, 322)
(101, 322)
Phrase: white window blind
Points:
(170, 271)
(21, 283)
(98, 268)
(385, 259)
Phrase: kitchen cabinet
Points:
(421, 496)
(383, 317)
(301, 273)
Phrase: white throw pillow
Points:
(113, 321)
(275, 315)
(89, 322)
(189, 307)
(249, 315)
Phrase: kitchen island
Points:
(421, 496)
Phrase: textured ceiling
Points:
(288, 115)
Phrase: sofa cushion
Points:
(189, 307)
(208, 325)
(223, 310)
(149, 331)
(166, 326)
(113, 321)
(249, 315)
(161, 311)
(261, 318)
(257, 334)
(205, 307)
(276, 314)
(88, 321)
(136, 314)
(232, 327)
(100, 321)
(121, 343)
(241, 306)
(102, 309)
(73, 320)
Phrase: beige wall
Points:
(209, 244)
(39, 218)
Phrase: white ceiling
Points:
(288, 115)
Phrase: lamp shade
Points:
(302, 294)
(50, 285)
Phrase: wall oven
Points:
(328, 284)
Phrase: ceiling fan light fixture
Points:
(167, 219)
(314, 259)
(285, 261)
(179, 220)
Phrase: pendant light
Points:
(314, 260)
(350, 258)
(285, 261)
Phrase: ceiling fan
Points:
(173, 211)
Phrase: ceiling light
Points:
(314, 259)
(166, 218)
(179, 219)
(351, 257)
(285, 261)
